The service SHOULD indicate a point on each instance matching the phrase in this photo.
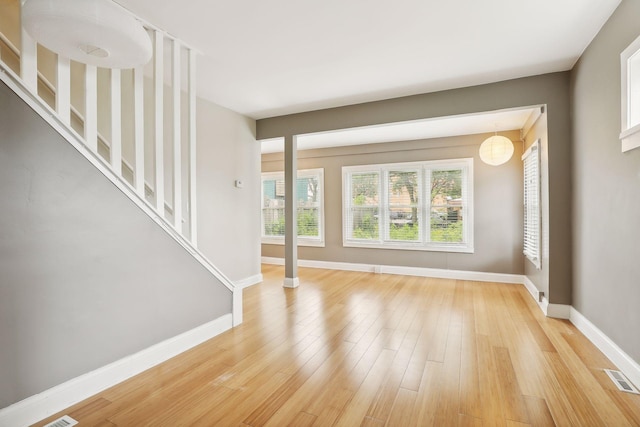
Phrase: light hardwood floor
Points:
(352, 349)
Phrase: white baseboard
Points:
(439, 273)
(291, 282)
(559, 311)
(533, 290)
(240, 285)
(542, 302)
(610, 349)
(237, 307)
(47, 403)
(405, 271)
(248, 281)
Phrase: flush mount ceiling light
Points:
(496, 150)
(96, 32)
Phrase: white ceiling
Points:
(466, 124)
(268, 58)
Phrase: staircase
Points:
(138, 126)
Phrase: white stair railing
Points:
(126, 151)
(154, 192)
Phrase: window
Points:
(417, 205)
(310, 195)
(630, 95)
(531, 159)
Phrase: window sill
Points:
(630, 138)
(455, 248)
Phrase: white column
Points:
(91, 107)
(193, 208)
(177, 151)
(29, 62)
(63, 89)
(158, 80)
(138, 115)
(116, 122)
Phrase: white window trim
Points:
(629, 135)
(467, 166)
(535, 258)
(302, 240)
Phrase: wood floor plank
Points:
(514, 405)
(327, 404)
(232, 409)
(415, 369)
(469, 421)
(316, 382)
(355, 411)
(579, 407)
(449, 388)
(403, 408)
(372, 422)
(358, 348)
(538, 412)
(425, 410)
(470, 397)
(303, 419)
(492, 404)
(381, 406)
(585, 380)
(261, 414)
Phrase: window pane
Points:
(364, 216)
(403, 205)
(364, 222)
(364, 189)
(273, 207)
(446, 216)
(308, 222)
(402, 225)
(307, 191)
(273, 221)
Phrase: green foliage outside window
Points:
(307, 224)
(403, 232)
(450, 233)
(365, 226)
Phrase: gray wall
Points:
(229, 217)
(606, 199)
(86, 277)
(497, 204)
(550, 89)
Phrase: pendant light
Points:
(496, 150)
(96, 32)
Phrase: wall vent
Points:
(621, 381)
(65, 421)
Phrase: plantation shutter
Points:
(531, 159)
(448, 204)
(362, 216)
